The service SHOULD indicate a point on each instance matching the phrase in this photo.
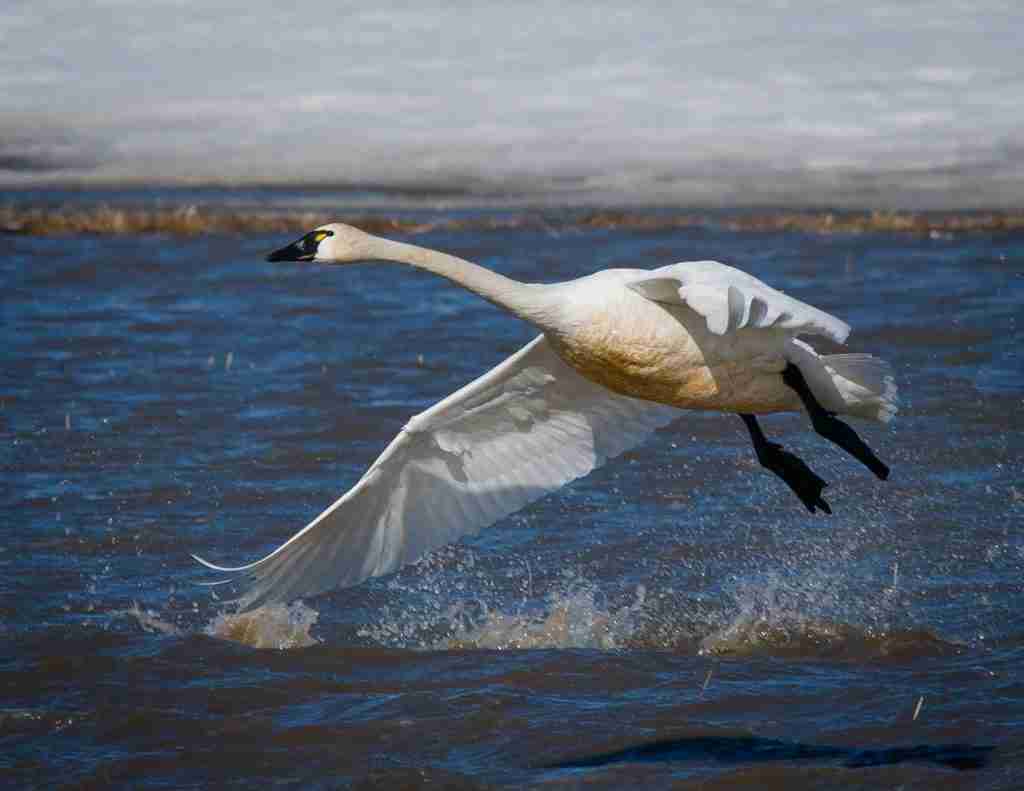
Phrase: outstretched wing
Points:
(521, 430)
(730, 300)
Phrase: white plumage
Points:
(731, 300)
(525, 428)
(619, 352)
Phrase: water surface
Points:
(676, 617)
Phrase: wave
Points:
(823, 639)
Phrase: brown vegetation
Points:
(816, 221)
(192, 220)
(185, 221)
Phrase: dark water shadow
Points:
(736, 750)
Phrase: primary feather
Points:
(526, 428)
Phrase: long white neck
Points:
(533, 302)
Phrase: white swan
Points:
(619, 352)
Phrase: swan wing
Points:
(730, 300)
(520, 431)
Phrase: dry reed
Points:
(194, 220)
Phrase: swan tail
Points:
(866, 384)
(851, 384)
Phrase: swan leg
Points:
(791, 468)
(832, 428)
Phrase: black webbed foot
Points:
(789, 467)
(831, 427)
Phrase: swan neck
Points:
(526, 300)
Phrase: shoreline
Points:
(193, 220)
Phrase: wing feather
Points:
(730, 300)
(522, 430)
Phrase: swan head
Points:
(334, 243)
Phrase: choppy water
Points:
(674, 617)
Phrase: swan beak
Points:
(301, 250)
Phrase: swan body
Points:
(619, 352)
(662, 350)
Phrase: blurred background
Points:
(867, 105)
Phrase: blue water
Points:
(674, 617)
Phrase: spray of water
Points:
(280, 626)
(569, 619)
(820, 601)
(276, 626)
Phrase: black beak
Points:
(302, 250)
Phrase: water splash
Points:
(822, 603)
(817, 614)
(150, 620)
(280, 626)
(830, 600)
(478, 608)
(574, 619)
(277, 626)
